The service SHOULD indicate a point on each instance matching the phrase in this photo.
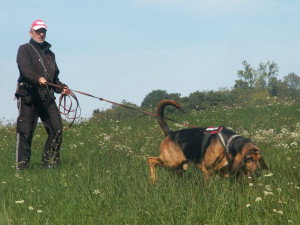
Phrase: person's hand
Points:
(65, 91)
(42, 81)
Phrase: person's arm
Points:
(26, 67)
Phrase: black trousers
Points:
(26, 124)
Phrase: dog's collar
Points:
(229, 142)
(227, 145)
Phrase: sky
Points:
(124, 49)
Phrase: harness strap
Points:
(220, 136)
(207, 133)
(216, 130)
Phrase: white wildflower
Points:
(30, 208)
(268, 187)
(277, 211)
(19, 201)
(268, 175)
(268, 193)
(96, 192)
(258, 199)
(248, 205)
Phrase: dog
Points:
(211, 149)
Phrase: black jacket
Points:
(31, 68)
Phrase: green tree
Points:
(264, 73)
(175, 97)
(154, 97)
(116, 112)
(240, 84)
(293, 84)
(256, 78)
(96, 112)
(197, 101)
(273, 86)
(247, 75)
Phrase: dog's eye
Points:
(250, 160)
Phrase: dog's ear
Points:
(237, 164)
(263, 164)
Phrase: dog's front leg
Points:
(205, 172)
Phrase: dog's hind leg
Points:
(182, 168)
(185, 166)
(153, 162)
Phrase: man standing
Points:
(37, 66)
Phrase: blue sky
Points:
(124, 49)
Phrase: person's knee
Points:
(23, 129)
(58, 134)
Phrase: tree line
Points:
(253, 87)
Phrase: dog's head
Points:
(248, 162)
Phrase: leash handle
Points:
(67, 110)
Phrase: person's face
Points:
(38, 35)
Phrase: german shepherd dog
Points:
(224, 152)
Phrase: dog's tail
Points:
(160, 114)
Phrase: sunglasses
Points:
(41, 30)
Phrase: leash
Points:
(67, 110)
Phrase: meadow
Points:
(104, 176)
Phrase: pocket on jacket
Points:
(20, 126)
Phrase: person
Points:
(35, 98)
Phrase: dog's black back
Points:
(190, 141)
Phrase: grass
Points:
(104, 177)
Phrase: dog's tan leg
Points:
(153, 162)
(185, 166)
(181, 169)
(205, 172)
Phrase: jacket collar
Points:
(43, 47)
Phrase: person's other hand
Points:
(42, 81)
(65, 91)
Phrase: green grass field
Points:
(104, 177)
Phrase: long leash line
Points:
(67, 110)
